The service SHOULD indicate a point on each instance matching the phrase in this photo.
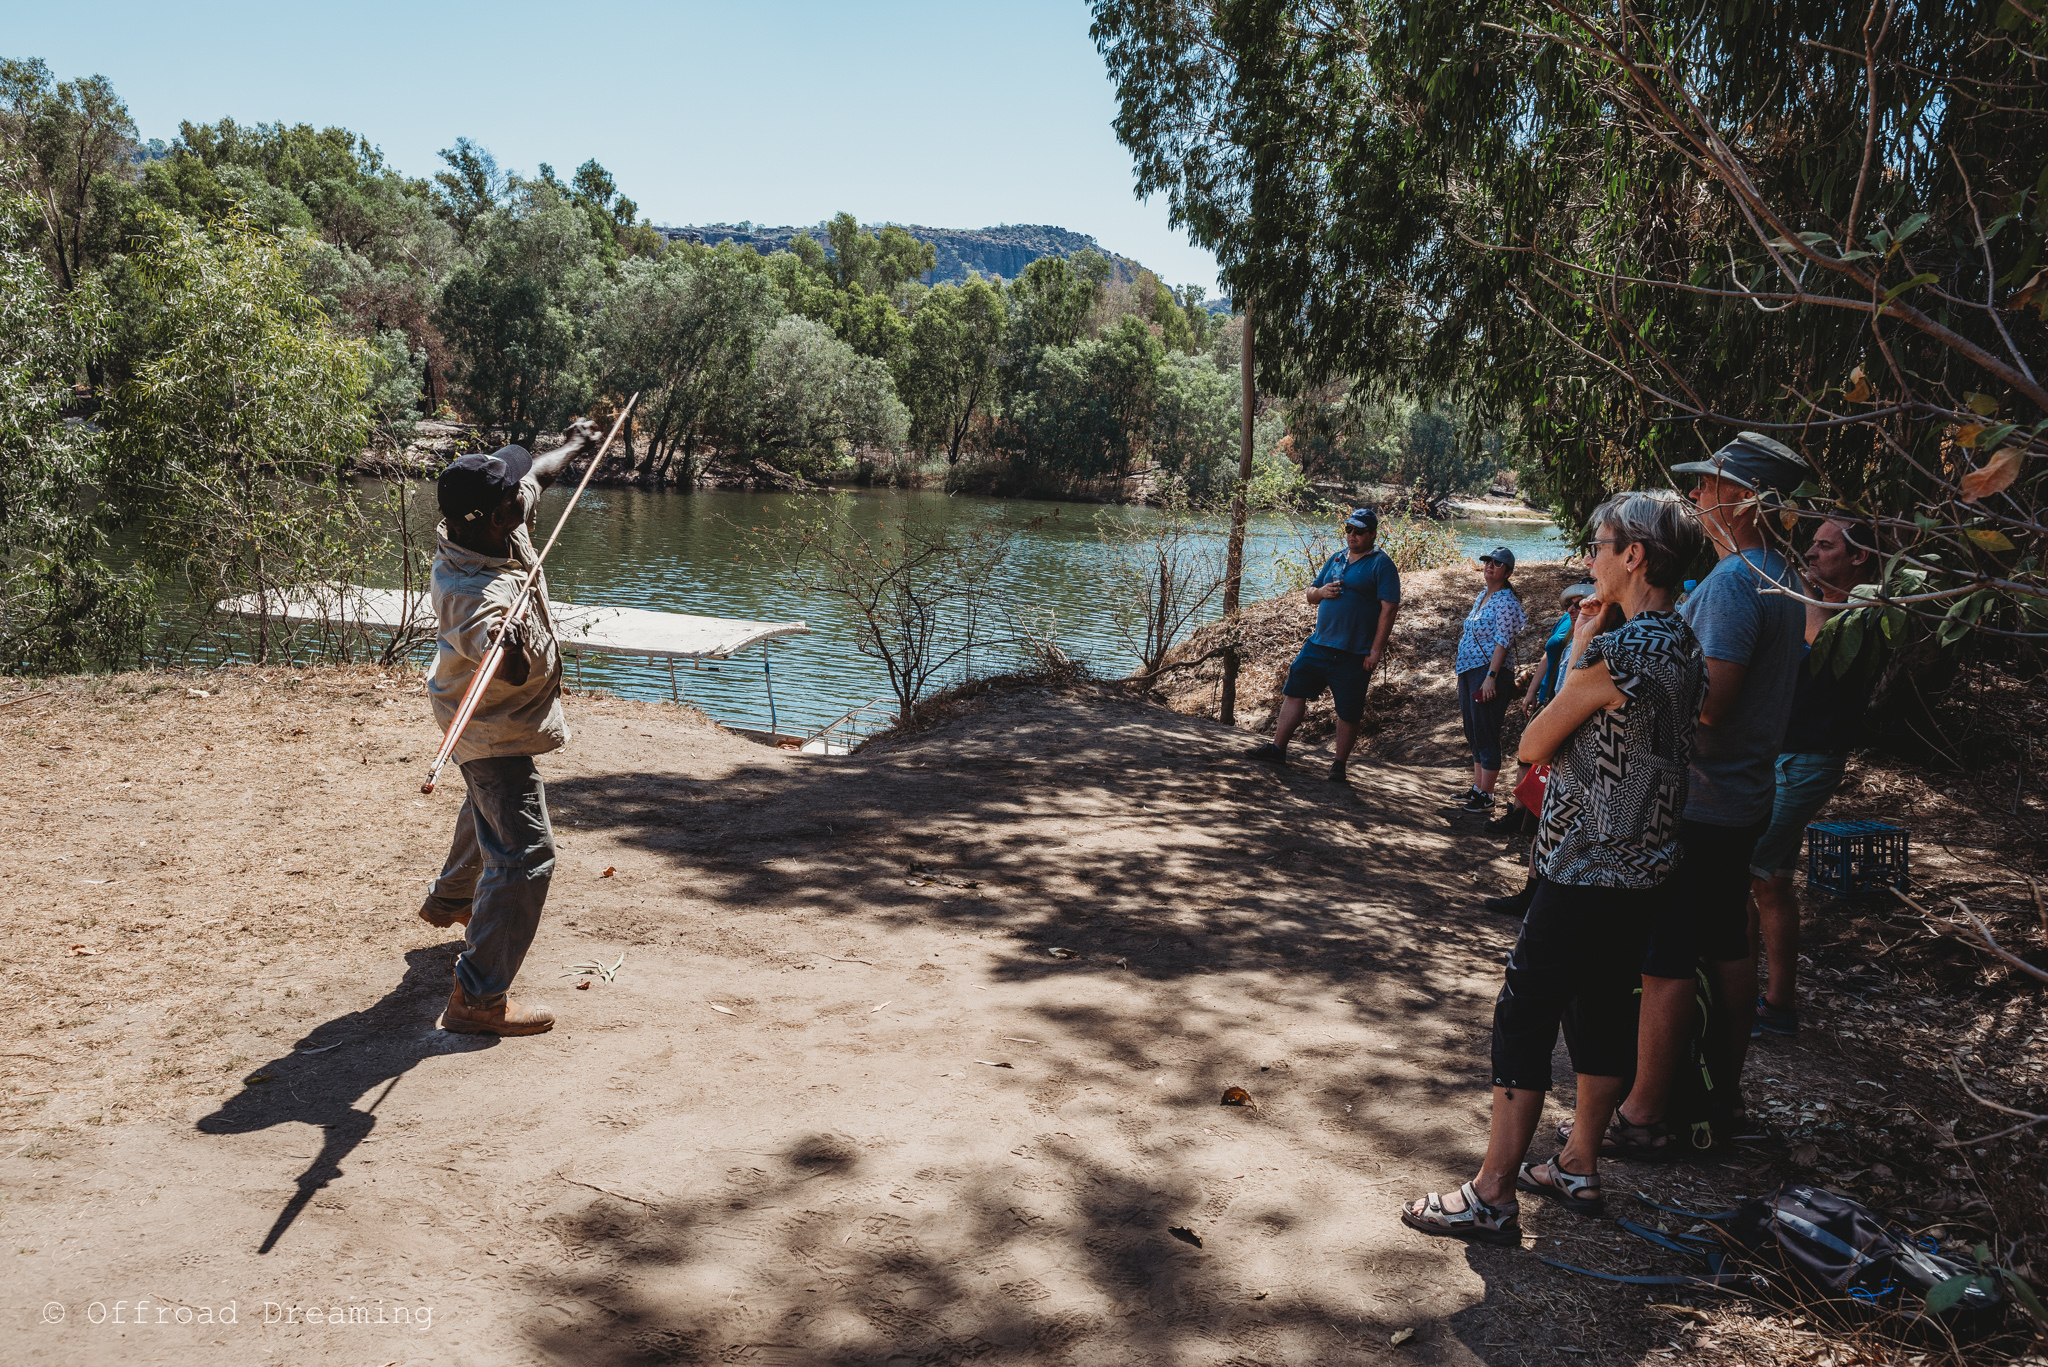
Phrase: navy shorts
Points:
(1340, 671)
(1703, 908)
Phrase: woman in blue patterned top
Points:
(1618, 737)
(1485, 665)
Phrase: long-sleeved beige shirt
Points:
(471, 594)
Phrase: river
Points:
(683, 552)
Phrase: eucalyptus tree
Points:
(682, 329)
(226, 450)
(63, 605)
(65, 146)
(1194, 431)
(1634, 230)
(470, 188)
(515, 315)
(811, 399)
(949, 375)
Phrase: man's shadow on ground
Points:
(339, 1062)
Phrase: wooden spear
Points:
(496, 654)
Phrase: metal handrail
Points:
(845, 719)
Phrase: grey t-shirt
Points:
(1733, 764)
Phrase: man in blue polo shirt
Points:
(1356, 595)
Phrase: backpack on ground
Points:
(1701, 1110)
(1819, 1243)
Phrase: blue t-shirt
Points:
(1348, 621)
(1734, 775)
(1553, 656)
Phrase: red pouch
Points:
(1529, 792)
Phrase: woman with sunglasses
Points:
(1485, 666)
(1618, 737)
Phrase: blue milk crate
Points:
(1848, 857)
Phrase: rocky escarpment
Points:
(1004, 250)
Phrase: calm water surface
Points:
(683, 552)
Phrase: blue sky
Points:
(953, 115)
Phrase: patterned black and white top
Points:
(1618, 783)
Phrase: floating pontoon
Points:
(579, 630)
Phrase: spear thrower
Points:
(495, 655)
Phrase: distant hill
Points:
(1000, 251)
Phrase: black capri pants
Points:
(1483, 720)
(1578, 962)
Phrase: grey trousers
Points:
(499, 866)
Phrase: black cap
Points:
(474, 485)
(1364, 519)
(1754, 461)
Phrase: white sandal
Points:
(1487, 1224)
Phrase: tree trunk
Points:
(1233, 576)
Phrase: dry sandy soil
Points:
(914, 1056)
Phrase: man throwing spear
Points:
(503, 855)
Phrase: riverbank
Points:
(435, 442)
(913, 1052)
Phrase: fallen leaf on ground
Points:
(81, 949)
(1400, 1336)
(873, 1009)
(1805, 1155)
(583, 986)
(723, 1010)
(197, 693)
(1185, 1235)
(1064, 954)
(991, 1063)
(255, 1078)
(609, 871)
(1260, 1295)
(1237, 1096)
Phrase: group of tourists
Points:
(1685, 746)
(1675, 751)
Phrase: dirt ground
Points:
(914, 1055)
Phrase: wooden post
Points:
(1233, 574)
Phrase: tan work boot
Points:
(440, 913)
(467, 1015)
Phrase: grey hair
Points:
(1662, 523)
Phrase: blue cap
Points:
(1364, 519)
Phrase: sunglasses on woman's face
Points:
(1593, 547)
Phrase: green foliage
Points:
(683, 331)
(62, 606)
(1088, 406)
(1195, 424)
(878, 264)
(1623, 234)
(470, 188)
(227, 446)
(812, 400)
(949, 371)
(514, 316)
(67, 147)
